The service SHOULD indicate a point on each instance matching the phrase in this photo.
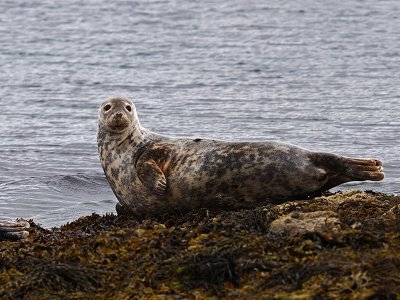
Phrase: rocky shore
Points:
(340, 246)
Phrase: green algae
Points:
(214, 254)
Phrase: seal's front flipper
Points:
(152, 177)
(13, 230)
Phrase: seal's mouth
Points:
(118, 121)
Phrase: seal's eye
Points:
(128, 108)
(107, 107)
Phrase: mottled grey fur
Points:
(151, 173)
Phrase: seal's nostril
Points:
(118, 115)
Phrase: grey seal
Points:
(151, 173)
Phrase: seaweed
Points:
(338, 246)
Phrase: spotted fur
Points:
(151, 173)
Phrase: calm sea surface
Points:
(325, 76)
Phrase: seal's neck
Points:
(107, 141)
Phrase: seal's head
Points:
(117, 115)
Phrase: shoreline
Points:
(345, 245)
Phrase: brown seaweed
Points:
(341, 246)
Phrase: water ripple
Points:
(320, 75)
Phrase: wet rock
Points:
(13, 230)
(298, 223)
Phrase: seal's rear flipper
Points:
(342, 169)
(13, 230)
(364, 169)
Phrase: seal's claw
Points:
(162, 182)
(161, 187)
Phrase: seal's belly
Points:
(249, 172)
